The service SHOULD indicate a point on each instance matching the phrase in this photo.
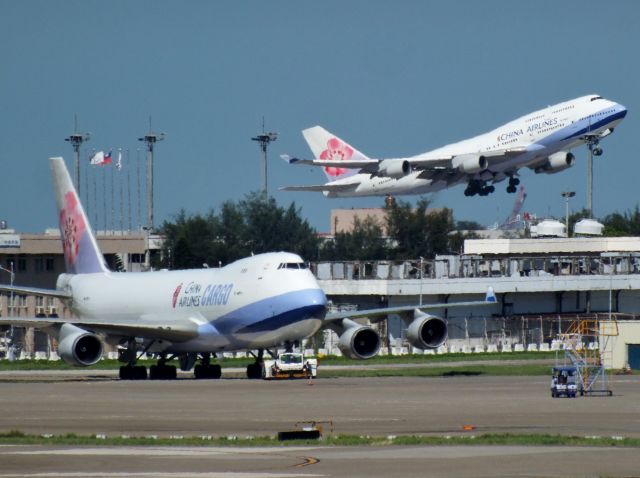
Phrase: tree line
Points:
(258, 224)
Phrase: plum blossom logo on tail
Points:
(337, 151)
(72, 227)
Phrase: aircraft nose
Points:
(621, 110)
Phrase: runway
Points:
(96, 403)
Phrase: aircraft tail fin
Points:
(81, 252)
(325, 145)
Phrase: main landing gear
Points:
(513, 182)
(205, 369)
(254, 370)
(478, 187)
(131, 371)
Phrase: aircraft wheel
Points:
(216, 371)
(125, 372)
(140, 372)
(511, 189)
(254, 371)
(198, 372)
(597, 151)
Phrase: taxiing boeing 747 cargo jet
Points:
(257, 303)
(540, 141)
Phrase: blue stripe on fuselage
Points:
(274, 312)
(598, 124)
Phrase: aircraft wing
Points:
(378, 314)
(35, 291)
(321, 187)
(447, 162)
(160, 330)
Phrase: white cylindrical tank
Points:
(549, 228)
(588, 227)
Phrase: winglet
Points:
(491, 295)
(288, 159)
(81, 252)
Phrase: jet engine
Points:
(358, 341)
(426, 331)
(470, 163)
(78, 347)
(394, 168)
(556, 162)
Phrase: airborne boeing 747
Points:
(258, 303)
(540, 141)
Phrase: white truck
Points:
(290, 365)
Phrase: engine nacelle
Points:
(78, 347)
(359, 342)
(427, 332)
(470, 163)
(394, 168)
(556, 162)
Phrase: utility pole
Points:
(264, 139)
(150, 139)
(76, 140)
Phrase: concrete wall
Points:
(615, 354)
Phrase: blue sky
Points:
(391, 78)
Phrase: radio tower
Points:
(76, 140)
(151, 139)
(264, 139)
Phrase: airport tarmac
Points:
(95, 402)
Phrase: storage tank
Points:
(549, 228)
(588, 227)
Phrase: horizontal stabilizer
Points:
(35, 291)
(321, 187)
(367, 164)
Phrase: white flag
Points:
(119, 161)
(97, 158)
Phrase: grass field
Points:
(328, 360)
(16, 437)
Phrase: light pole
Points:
(264, 139)
(566, 195)
(150, 139)
(76, 140)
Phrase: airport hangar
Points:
(543, 286)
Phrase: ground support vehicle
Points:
(290, 365)
(563, 382)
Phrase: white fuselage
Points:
(257, 302)
(540, 134)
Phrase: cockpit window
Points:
(593, 98)
(293, 265)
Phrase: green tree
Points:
(417, 233)
(252, 226)
(364, 242)
(626, 224)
